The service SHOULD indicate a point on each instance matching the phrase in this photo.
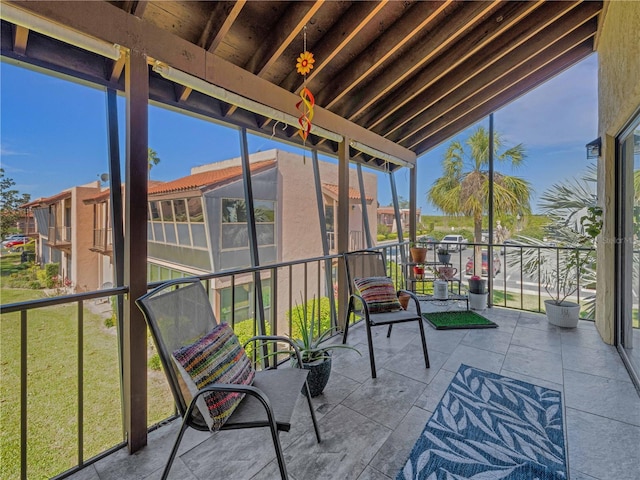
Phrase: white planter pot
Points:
(478, 301)
(441, 289)
(565, 315)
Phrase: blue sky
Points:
(53, 134)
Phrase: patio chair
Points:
(372, 296)
(181, 321)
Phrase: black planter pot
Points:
(444, 258)
(477, 286)
(319, 372)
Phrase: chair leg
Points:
(372, 359)
(389, 331)
(346, 323)
(174, 450)
(424, 343)
(279, 454)
(313, 413)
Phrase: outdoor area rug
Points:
(457, 319)
(487, 426)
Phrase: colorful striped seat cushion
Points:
(379, 293)
(216, 357)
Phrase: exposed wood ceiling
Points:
(413, 72)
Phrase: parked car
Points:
(497, 265)
(10, 238)
(428, 240)
(16, 242)
(454, 243)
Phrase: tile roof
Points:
(353, 193)
(208, 178)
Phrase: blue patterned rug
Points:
(487, 426)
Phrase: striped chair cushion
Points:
(217, 357)
(379, 293)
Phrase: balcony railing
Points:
(85, 410)
(59, 235)
(102, 239)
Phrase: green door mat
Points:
(462, 319)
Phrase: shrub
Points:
(154, 362)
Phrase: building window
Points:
(243, 303)
(177, 222)
(235, 230)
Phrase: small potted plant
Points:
(443, 255)
(418, 253)
(477, 293)
(418, 271)
(316, 357)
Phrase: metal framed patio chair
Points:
(179, 313)
(372, 296)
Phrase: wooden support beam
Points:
(342, 230)
(335, 40)
(135, 249)
(405, 101)
(420, 16)
(489, 84)
(20, 37)
(433, 43)
(290, 27)
(472, 44)
(219, 23)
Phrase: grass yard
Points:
(52, 387)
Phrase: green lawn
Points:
(52, 387)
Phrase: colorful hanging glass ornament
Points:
(303, 66)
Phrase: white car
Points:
(453, 243)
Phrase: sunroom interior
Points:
(391, 81)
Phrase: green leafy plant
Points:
(309, 342)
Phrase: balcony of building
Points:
(60, 237)
(370, 425)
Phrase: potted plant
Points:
(443, 255)
(418, 253)
(418, 271)
(316, 357)
(559, 272)
(477, 293)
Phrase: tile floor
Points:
(369, 426)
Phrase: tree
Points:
(152, 158)
(464, 187)
(10, 201)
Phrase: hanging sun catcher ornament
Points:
(303, 66)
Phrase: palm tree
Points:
(464, 187)
(152, 158)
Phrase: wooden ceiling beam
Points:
(474, 42)
(522, 61)
(20, 37)
(385, 117)
(219, 23)
(412, 23)
(335, 40)
(290, 27)
(431, 45)
(136, 8)
(482, 110)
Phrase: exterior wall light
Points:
(593, 148)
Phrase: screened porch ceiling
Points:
(398, 77)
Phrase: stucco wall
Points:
(618, 98)
(85, 272)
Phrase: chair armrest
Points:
(277, 338)
(364, 304)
